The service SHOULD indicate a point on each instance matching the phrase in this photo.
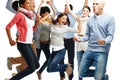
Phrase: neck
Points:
(100, 13)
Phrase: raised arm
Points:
(37, 22)
(67, 3)
(9, 6)
(39, 7)
(57, 11)
(79, 23)
(80, 10)
(86, 3)
(52, 6)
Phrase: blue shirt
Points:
(99, 27)
(72, 24)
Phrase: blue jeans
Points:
(46, 50)
(30, 58)
(54, 61)
(79, 57)
(100, 59)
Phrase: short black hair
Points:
(44, 10)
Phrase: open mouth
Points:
(63, 22)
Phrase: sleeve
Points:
(87, 34)
(80, 11)
(111, 30)
(15, 20)
(9, 6)
(73, 29)
(37, 33)
(58, 12)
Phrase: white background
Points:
(113, 67)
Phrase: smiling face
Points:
(62, 20)
(85, 12)
(27, 5)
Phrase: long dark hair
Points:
(87, 8)
(59, 16)
(16, 4)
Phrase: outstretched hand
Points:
(75, 38)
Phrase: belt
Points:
(68, 38)
(44, 42)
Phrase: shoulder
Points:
(91, 18)
(19, 14)
(107, 16)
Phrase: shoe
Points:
(39, 75)
(63, 78)
(13, 74)
(9, 64)
(6, 79)
(69, 70)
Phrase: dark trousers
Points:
(30, 58)
(46, 50)
(70, 47)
